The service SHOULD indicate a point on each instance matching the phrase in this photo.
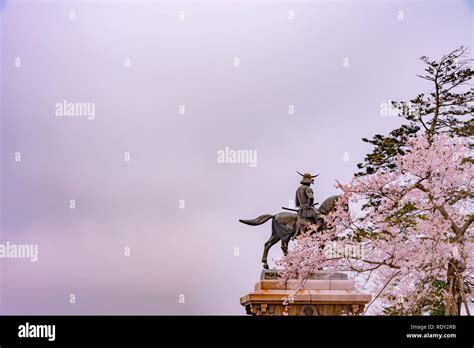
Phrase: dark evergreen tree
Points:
(447, 108)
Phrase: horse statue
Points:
(284, 225)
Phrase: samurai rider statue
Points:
(286, 225)
(304, 200)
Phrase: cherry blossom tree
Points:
(414, 235)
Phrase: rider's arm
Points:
(309, 194)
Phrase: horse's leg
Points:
(297, 229)
(284, 247)
(272, 241)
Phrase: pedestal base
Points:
(323, 294)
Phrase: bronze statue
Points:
(285, 225)
(305, 201)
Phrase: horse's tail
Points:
(257, 221)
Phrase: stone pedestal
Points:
(323, 294)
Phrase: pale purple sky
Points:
(135, 204)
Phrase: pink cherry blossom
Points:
(422, 223)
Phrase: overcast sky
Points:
(236, 69)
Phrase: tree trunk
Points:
(452, 296)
